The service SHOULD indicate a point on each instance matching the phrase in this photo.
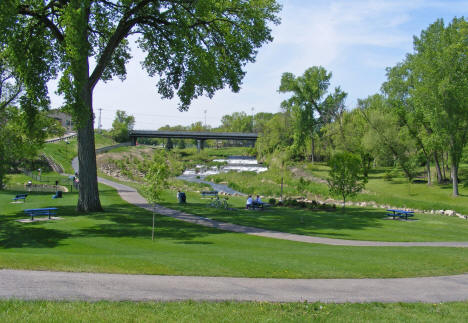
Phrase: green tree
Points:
(347, 133)
(19, 138)
(169, 144)
(193, 47)
(237, 122)
(345, 177)
(121, 126)
(386, 138)
(276, 135)
(260, 120)
(156, 180)
(439, 70)
(309, 106)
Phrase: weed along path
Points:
(31, 285)
(131, 195)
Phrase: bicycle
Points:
(217, 203)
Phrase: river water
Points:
(234, 163)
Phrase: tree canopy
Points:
(346, 175)
(193, 48)
(309, 106)
(121, 126)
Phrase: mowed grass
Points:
(399, 193)
(119, 241)
(190, 311)
(352, 223)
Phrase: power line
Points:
(159, 115)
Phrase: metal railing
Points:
(55, 180)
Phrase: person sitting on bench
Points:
(249, 203)
(258, 202)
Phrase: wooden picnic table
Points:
(400, 213)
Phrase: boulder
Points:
(450, 212)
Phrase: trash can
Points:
(58, 195)
(182, 198)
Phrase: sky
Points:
(354, 39)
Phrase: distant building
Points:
(64, 118)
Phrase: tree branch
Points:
(123, 28)
(24, 10)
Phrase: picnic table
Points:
(44, 211)
(259, 205)
(400, 214)
(20, 197)
(209, 193)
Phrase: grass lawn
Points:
(189, 311)
(118, 241)
(63, 153)
(398, 192)
(353, 223)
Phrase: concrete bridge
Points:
(199, 136)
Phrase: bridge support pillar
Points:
(200, 144)
(133, 140)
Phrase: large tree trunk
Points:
(77, 40)
(88, 200)
(438, 170)
(455, 178)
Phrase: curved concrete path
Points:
(131, 195)
(31, 285)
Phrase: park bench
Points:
(259, 206)
(400, 214)
(44, 211)
(209, 193)
(20, 197)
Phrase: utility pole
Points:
(205, 117)
(253, 119)
(99, 121)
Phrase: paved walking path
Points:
(130, 195)
(31, 285)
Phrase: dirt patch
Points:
(300, 172)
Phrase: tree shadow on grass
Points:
(19, 235)
(14, 234)
(299, 221)
(134, 222)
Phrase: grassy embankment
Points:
(63, 153)
(189, 311)
(118, 241)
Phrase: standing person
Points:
(249, 202)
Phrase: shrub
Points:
(345, 175)
(388, 176)
(272, 201)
